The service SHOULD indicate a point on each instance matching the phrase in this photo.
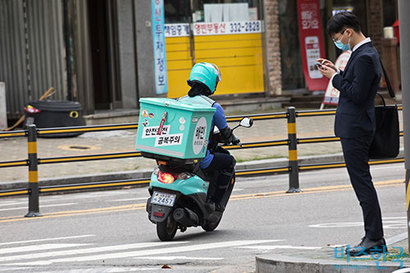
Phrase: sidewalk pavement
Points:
(129, 168)
(332, 259)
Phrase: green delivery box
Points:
(174, 128)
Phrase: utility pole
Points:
(404, 20)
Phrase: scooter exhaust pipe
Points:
(186, 217)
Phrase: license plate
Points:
(161, 198)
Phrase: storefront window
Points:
(357, 7)
(180, 11)
(227, 33)
(389, 12)
(291, 60)
(177, 11)
(227, 11)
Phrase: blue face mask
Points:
(342, 46)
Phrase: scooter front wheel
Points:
(166, 230)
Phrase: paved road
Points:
(108, 231)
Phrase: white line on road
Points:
(130, 199)
(282, 247)
(388, 223)
(24, 202)
(86, 196)
(37, 248)
(173, 258)
(42, 206)
(104, 194)
(38, 255)
(118, 270)
(12, 203)
(388, 167)
(47, 239)
(397, 238)
(157, 251)
(9, 269)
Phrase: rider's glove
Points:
(228, 136)
(235, 140)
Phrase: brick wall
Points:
(375, 23)
(273, 61)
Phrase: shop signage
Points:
(240, 27)
(214, 28)
(176, 30)
(158, 34)
(332, 94)
(311, 42)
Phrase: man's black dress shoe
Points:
(367, 246)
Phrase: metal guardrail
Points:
(292, 141)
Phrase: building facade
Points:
(100, 52)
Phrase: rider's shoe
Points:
(210, 206)
(219, 207)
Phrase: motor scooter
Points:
(178, 195)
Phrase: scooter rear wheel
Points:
(167, 229)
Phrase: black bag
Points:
(386, 141)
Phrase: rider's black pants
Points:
(219, 172)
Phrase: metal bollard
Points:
(293, 153)
(33, 201)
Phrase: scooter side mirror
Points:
(246, 122)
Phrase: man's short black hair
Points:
(342, 20)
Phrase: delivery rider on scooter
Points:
(218, 164)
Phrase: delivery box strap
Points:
(201, 99)
(210, 101)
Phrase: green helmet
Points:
(206, 73)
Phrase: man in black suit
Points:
(355, 119)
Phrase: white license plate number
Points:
(165, 199)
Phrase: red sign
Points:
(311, 43)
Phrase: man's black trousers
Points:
(355, 151)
